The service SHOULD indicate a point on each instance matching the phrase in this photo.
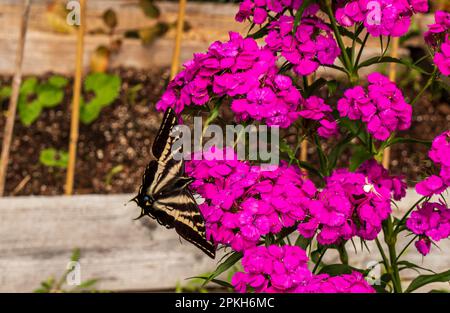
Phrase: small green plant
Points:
(114, 171)
(35, 96)
(54, 158)
(105, 89)
(53, 285)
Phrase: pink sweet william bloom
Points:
(382, 108)
(436, 184)
(312, 44)
(352, 204)
(284, 269)
(380, 17)
(315, 108)
(243, 71)
(243, 203)
(431, 221)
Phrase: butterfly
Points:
(164, 194)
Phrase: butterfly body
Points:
(164, 194)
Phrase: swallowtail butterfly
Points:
(164, 194)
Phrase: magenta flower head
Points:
(244, 203)
(380, 17)
(436, 184)
(431, 221)
(312, 44)
(352, 204)
(382, 107)
(284, 269)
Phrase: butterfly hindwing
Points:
(182, 213)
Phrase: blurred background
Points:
(127, 56)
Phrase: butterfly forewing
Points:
(162, 145)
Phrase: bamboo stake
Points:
(304, 143)
(75, 114)
(392, 77)
(178, 37)
(17, 80)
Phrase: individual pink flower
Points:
(431, 221)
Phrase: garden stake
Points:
(178, 37)
(17, 80)
(75, 114)
(392, 76)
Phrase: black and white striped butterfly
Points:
(164, 194)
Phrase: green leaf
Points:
(110, 18)
(106, 87)
(408, 140)
(316, 86)
(5, 93)
(149, 8)
(438, 291)
(90, 111)
(345, 32)
(29, 112)
(285, 148)
(259, 33)
(76, 254)
(387, 59)
(87, 284)
(336, 269)
(423, 280)
(225, 265)
(29, 86)
(49, 95)
(302, 242)
(53, 158)
(58, 81)
(359, 155)
(407, 264)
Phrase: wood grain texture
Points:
(37, 235)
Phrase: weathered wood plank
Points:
(36, 241)
(37, 235)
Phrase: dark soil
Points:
(123, 134)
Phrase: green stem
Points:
(337, 34)
(383, 255)
(358, 58)
(390, 239)
(404, 249)
(319, 261)
(428, 84)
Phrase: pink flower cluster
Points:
(258, 10)
(312, 44)
(438, 36)
(315, 108)
(439, 154)
(241, 70)
(243, 202)
(380, 17)
(382, 107)
(431, 221)
(352, 204)
(284, 270)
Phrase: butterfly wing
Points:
(164, 193)
(162, 145)
(180, 210)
